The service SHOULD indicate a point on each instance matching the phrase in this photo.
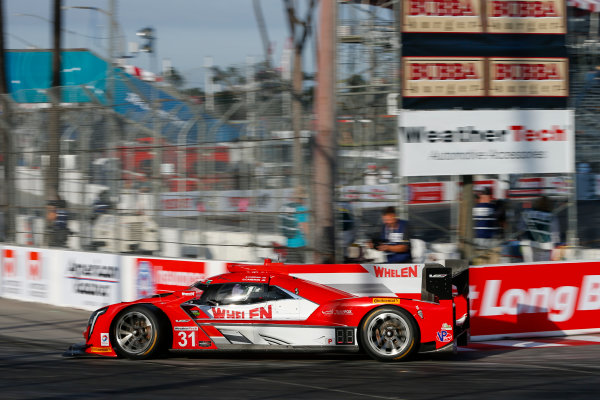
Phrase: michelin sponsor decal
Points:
(91, 279)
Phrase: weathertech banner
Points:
(462, 16)
(457, 142)
(543, 77)
(444, 77)
(161, 275)
(522, 299)
(526, 16)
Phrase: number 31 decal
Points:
(184, 337)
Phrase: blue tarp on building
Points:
(29, 77)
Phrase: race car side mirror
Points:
(438, 281)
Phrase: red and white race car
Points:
(389, 311)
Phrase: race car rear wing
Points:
(441, 281)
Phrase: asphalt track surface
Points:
(34, 336)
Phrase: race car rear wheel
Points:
(389, 333)
(136, 333)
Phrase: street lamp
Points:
(148, 35)
(112, 136)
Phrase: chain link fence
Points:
(157, 173)
(146, 170)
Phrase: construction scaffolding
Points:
(368, 80)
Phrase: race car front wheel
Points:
(389, 333)
(136, 333)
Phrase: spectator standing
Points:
(394, 238)
(56, 223)
(541, 231)
(485, 221)
(293, 221)
(485, 225)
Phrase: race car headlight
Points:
(93, 318)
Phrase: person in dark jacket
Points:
(394, 238)
(486, 229)
(541, 231)
(485, 221)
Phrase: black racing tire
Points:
(389, 333)
(137, 333)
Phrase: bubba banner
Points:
(485, 77)
(484, 54)
(516, 77)
(520, 299)
(501, 16)
(444, 76)
(458, 16)
(526, 16)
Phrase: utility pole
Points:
(298, 41)
(52, 182)
(298, 38)
(6, 143)
(325, 143)
(52, 171)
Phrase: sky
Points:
(187, 31)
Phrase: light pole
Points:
(148, 47)
(110, 125)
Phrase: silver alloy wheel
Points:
(134, 332)
(388, 334)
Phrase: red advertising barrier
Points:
(158, 275)
(537, 299)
